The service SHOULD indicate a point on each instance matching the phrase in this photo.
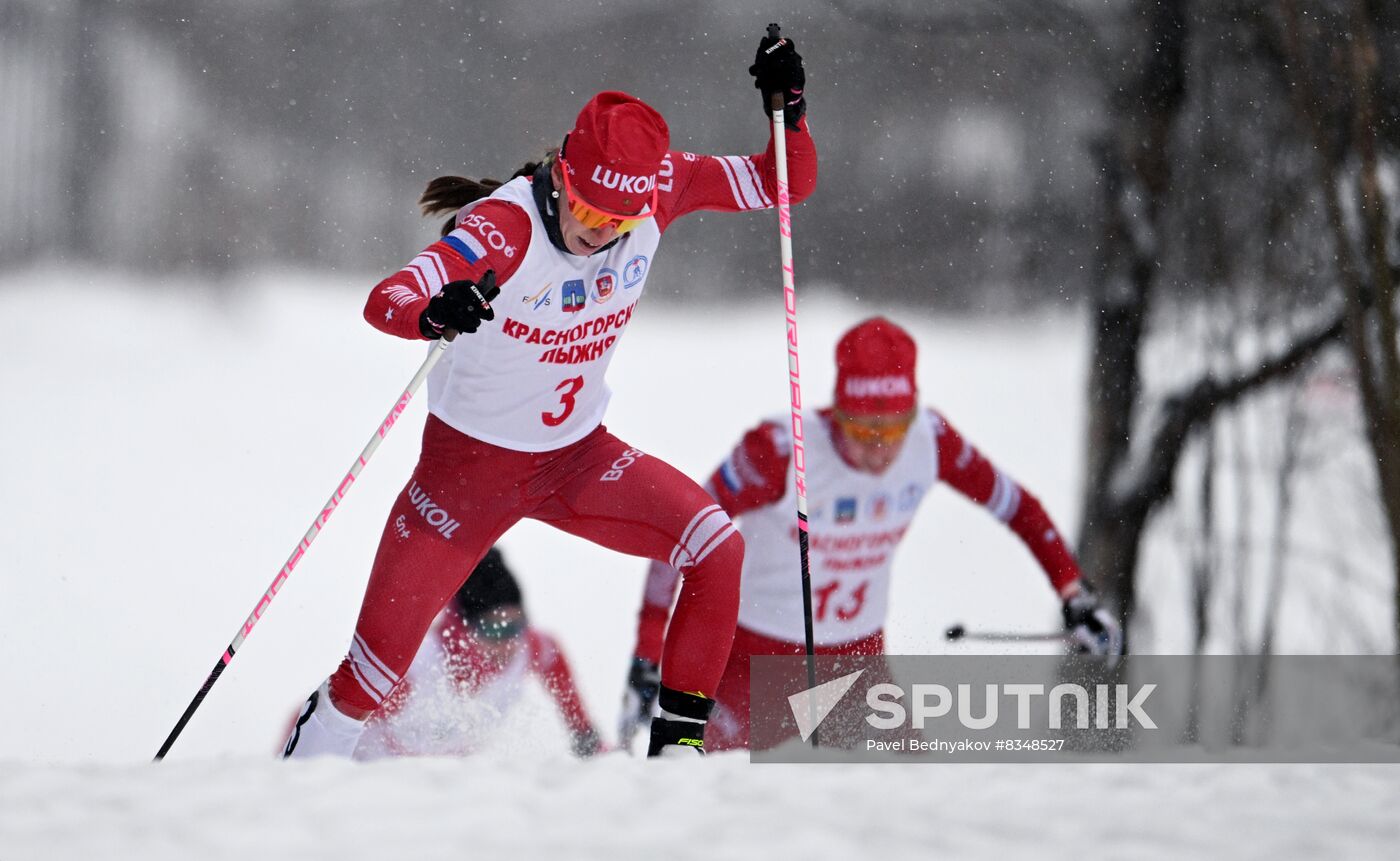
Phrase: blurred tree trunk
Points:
(1203, 568)
(1375, 322)
(1135, 172)
(89, 141)
(1130, 461)
(1342, 121)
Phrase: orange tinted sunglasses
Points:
(594, 218)
(874, 430)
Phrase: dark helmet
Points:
(490, 585)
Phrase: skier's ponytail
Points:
(451, 193)
(454, 192)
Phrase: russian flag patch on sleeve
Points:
(466, 245)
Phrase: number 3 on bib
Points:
(567, 390)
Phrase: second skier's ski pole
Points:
(959, 632)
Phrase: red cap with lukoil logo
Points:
(875, 369)
(615, 151)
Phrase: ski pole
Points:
(326, 511)
(959, 632)
(799, 456)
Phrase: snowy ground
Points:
(721, 808)
(167, 454)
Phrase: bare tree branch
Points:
(1186, 411)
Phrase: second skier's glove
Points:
(777, 68)
(643, 684)
(1092, 628)
(586, 743)
(460, 306)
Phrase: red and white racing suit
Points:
(514, 427)
(856, 521)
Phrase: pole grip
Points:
(775, 100)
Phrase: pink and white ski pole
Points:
(326, 511)
(799, 454)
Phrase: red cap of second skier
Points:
(875, 393)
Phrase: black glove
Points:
(777, 68)
(460, 306)
(643, 684)
(1092, 628)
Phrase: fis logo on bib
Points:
(539, 300)
(573, 295)
(437, 518)
(634, 272)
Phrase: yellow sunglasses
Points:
(874, 430)
(594, 218)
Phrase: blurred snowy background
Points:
(1148, 249)
(279, 132)
(1210, 188)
